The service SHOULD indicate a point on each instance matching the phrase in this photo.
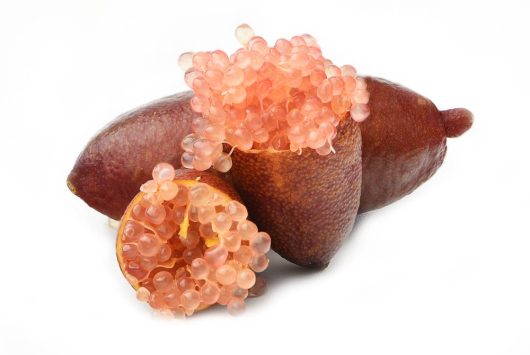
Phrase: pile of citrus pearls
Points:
(187, 246)
(287, 96)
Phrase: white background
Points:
(443, 271)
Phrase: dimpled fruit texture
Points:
(404, 141)
(109, 171)
(186, 243)
(308, 202)
(281, 97)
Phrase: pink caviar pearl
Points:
(225, 275)
(236, 306)
(199, 269)
(148, 245)
(163, 280)
(210, 293)
(190, 299)
(216, 256)
(163, 172)
(260, 243)
(246, 278)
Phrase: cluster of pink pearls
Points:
(213, 262)
(287, 96)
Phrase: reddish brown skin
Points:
(113, 165)
(404, 141)
(307, 203)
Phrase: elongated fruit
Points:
(404, 141)
(113, 165)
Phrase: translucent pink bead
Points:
(156, 300)
(185, 60)
(258, 44)
(325, 149)
(241, 138)
(199, 194)
(236, 95)
(348, 70)
(237, 211)
(172, 299)
(231, 240)
(214, 133)
(155, 214)
(243, 255)
(185, 283)
(219, 61)
(199, 124)
(163, 281)
(246, 278)
(246, 229)
(197, 104)
(216, 256)
(179, 214)
(309, 40)
(201, 164)
(187, 160)
(243, 59)
(190, 299)
(148, 245)
(240, 293)
(163, 172)
(164, 254)
(315, 138)
(257, 60)
(190, 76)
(149, 187)
(225, 275)
(206, 231)
(236, 306)
(203, 148)
(129, 251)
(148, 263)
(259, 263)
(317, 77)
(142, 294)
(199, 269)
(200, 60)
(214, 78)
(193, 214)
(361, 96)
(325, 91)
(361, 84)
(132, 231)
(221, 222)
(337, 84)
(283, 46)
(226, 294)
(206, 213)
(260, 243)
(168, 190)
(209, 293)
(360, 112)
(260, 135)
(223, 163)
(244, 33)
(332, 70)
